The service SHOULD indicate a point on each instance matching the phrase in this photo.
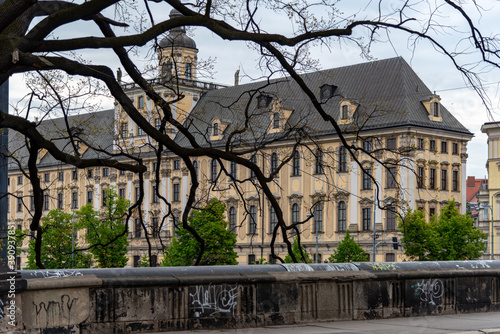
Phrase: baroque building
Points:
(412, 146)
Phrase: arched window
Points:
(342, 219)
(276, 120)
(232, 219)
(213, 176)
(295, 213)
(215, 127)
(188, 71)
(342, 159)
(318, 217)
(274, 162)
(253, 220)
(296, 164)
(273, 219)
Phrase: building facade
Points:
(411, 145)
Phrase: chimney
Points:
(471, 181)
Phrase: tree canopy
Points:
(107, 231)
(30, 43)
(448, 237)
(210, 224)
(348, 250)
(299, 253)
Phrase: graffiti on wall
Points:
(383, 266)
(429, 290)
(56, 273)
(53, 312)
(213, 299)
(2, 305)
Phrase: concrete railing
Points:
(143, 300)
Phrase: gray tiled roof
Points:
(389, 94)
(97, 129)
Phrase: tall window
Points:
(391, 177)
(61, 176)
(154, 195)
(455, 181)
(274, 162)
(432, 178)
(74, 174)
(344, 112)
(276, 120)
(32, 202)
(121, 192)
(435, 107)
(391, 143)
(432, 145)
(343, 159)
(390, 257)
(176, 194)
(60, 202)
(137, 193)
(391, 219)
(341, 215)
(273, 219)
(137, 228)
(90, 173)
(124, 130)
(318, 217)
(232, 219)
(105, 171)
(157, 123)
(46, 201)
(454, 148)
(177, 164)
(19, 204)
(213, 173)
(253, 220)
(19, 180)
(420, 177)
(319, 169)
(444, 179)
(195, 166)
(188, 70)
(140, 131)
(90, 196)
(420, 143)
(104, 198)
(367, 216)
(253, 159)
(140, 102)
(154, 227)
(296, 164)
(367, 146)
(46, 177)
(444, 146)
(295, 213)
(367, 180)
(74, 200)
(234, 170)
(215, 128)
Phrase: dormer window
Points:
(326, 91)
(276, 120)
(344, 112)
(435, 109)
(263, 101)
(215, 131)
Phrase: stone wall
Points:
(140, 300)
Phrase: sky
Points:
(434, 68)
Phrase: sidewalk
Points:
(470, 323)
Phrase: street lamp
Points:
(486, 206)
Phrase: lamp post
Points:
(374, 215)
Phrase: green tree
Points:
(210, 224)
(348, 251)
(59, 243)
(301, 256)
(107, 232)
(448, 237)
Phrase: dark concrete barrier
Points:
(140, 300)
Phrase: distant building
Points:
(381, 106)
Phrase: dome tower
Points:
(178, 53)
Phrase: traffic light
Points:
(395, 242)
